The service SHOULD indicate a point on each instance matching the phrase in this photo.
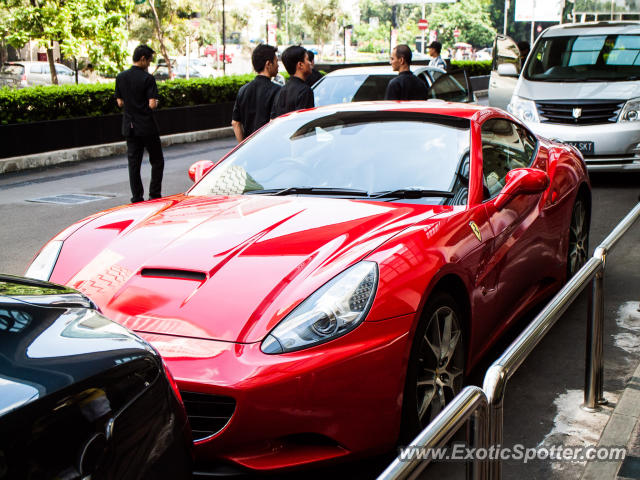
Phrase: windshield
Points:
(350, 88)
(356, 153)
(585, 58)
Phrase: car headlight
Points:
(631, 111)
(334, 309)
(42, 266)
(524, 109)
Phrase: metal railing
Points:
(470, 405)
(441, 429)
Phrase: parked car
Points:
(356, 84)
(80, 395)
(212, 51)
(323, 290)
(197, 69)
(579, 85)
(27, 74)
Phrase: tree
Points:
(471, 17)
(319, 15)
(100, 24)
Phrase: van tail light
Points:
(23, 80)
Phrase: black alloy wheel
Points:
(435, 373)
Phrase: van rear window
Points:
(12, 69)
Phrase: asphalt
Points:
(623, 425)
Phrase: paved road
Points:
(542, 399)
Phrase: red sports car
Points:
(323, 289)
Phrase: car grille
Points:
(208, 414)
(592, 112)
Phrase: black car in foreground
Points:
(81, 396)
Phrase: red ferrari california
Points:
(322, 291)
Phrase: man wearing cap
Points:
(406, 86)
(434, 52)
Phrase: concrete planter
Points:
(37, 137)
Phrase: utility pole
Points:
(224, 42)
(506, 13)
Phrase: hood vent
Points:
(172, 273)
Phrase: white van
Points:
(581, 85)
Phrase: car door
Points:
(66, 76)
(505, 71)
(520, 253)
(452, 87)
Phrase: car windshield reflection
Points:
(350, 153)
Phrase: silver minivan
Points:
(27, 74)
(581, 85)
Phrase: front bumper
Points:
(616, 145)
(342, 398)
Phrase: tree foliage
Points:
(319, 15)
(96, 28)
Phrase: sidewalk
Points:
(622, 429)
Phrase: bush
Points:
(473, 67)
(57, 102)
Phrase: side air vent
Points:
(171, 273)
(208, 414)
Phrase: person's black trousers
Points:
(135, 150)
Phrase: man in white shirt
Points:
(434, 52)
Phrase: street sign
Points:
(423, 24)
(538, 10)
(456, 33)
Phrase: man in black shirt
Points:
(315, 74)
(296, 94)
(255, 99)
(137, 92)
(406, 86)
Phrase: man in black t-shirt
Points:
(296, 94)
(255, 99)
(406, 86)
(137, 92)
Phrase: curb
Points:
(618, 430)
(45, 159)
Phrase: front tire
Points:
(435, 373)
(578, 247)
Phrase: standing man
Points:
(315, 74)
(296, 94)
(137, 92)
(434, 52)
(255, 99)
(406, 86)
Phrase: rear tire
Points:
(435, 373)
(578, 246)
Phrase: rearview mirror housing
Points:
(522, 181)
(199, 169)
(508, 70)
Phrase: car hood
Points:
(578, 90)
(225, 268)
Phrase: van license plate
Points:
(584, 147)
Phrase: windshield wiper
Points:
(411, 193)
(350, 192)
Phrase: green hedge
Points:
(57, 102)
(473, 67)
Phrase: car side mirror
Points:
(200, 169)
(522, 181)
(508, 70)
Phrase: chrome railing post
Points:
(478, 435)
(470, 403)
(494, 385)
(593, 371)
